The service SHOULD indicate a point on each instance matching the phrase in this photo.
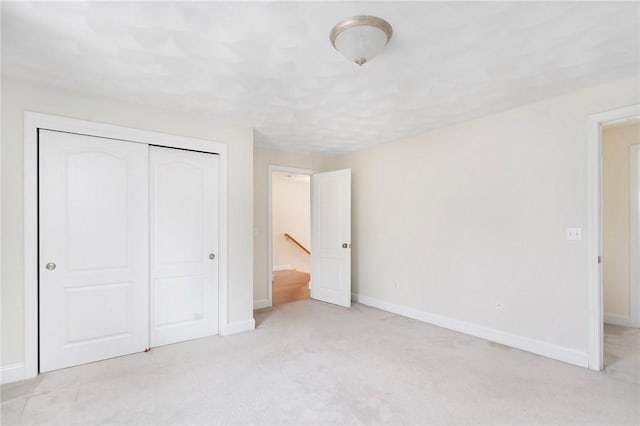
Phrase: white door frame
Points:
(634, 227)
(275, 168)
(34, 121)
(594, 234)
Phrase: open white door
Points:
(331, 237)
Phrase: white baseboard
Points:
(11, 373)
(616, 319)
(261, 304)
(282, 267)
(538, 347)
(239, 327)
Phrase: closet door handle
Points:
(212, 256)
(50, 266)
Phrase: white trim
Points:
(634, 241)
(261, 304)
(282, 268)
(594, 227)
(1, 368)
(11, 373)
(538, 347)
(34, 121)
(275, 168)
(31, 124)
(616, 319)
(236, 327)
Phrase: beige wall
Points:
(262, 159)
(18, 97)
(616, 143)
(453, 221)
(291, 213)
(460, 217)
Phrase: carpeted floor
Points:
(622, 353)
(313, 363)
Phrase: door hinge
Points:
(599, 260)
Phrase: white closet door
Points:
(184, 245)
(93, 196)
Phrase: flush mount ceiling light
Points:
(360, 38)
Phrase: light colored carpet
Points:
(622, 353)
(313, 363)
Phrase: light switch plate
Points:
(574, 234)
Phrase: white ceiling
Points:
(271, 66)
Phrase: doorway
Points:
(601, 265)
(290, 236)
(329, 250)
(620, 239)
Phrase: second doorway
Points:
(290, 236)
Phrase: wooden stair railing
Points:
(296, 242)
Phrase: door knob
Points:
(50, 266)
(345, 245)
(212, 256)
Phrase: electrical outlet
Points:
(499, 306)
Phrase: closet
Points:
(128, 247)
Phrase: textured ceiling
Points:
(271, 66)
